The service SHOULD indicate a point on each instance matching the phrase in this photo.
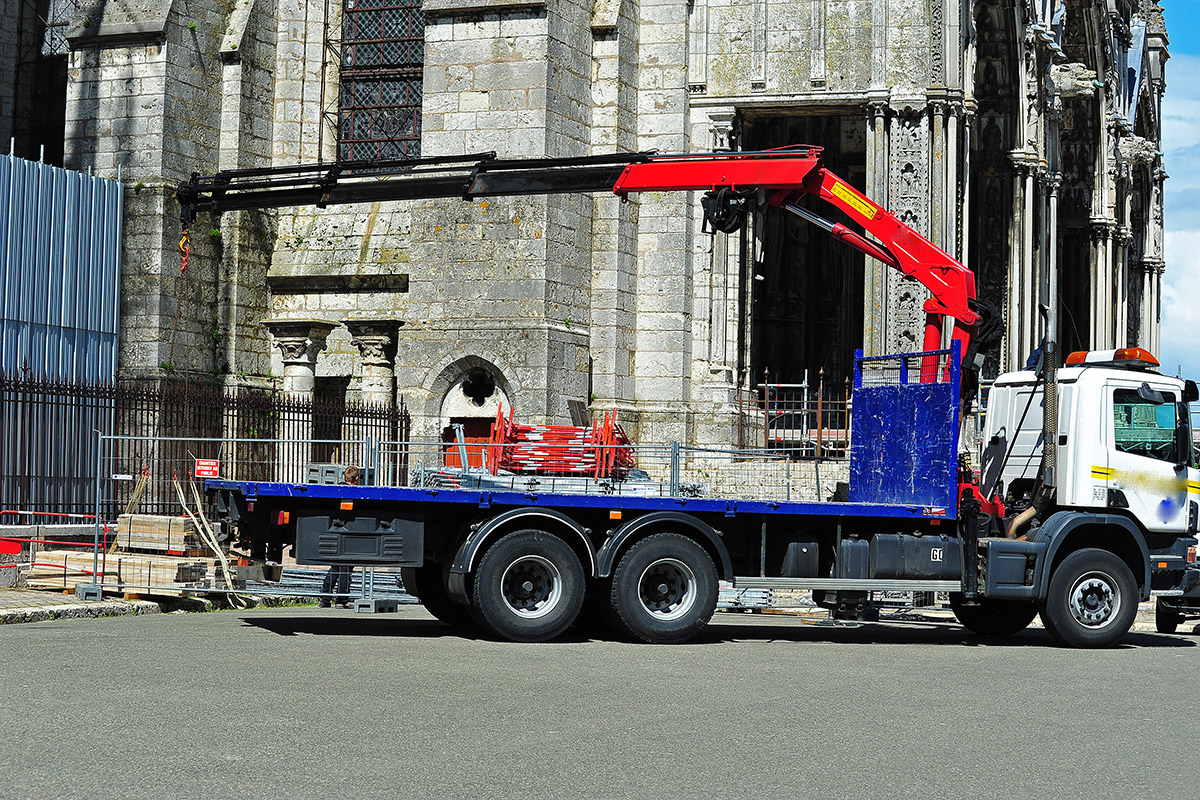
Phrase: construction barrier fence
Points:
(155, 532)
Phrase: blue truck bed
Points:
(903, 464)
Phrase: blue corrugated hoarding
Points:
(60, 264)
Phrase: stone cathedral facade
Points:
(1022, 136)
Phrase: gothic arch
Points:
(450, 372)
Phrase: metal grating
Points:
(382, 55)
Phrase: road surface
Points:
(301, 702)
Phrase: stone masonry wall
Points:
(248, 52)
(504, 280)
(152, 106)
(613, 281)
(552, 294)
(664, 235)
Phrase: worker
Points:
(338, 577)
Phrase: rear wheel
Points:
(428, 584)
(1092, 599)
(664, 589)
(529, 587)
(994, 617)
(1166, 620)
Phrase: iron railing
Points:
(48, 435)
(807, 420)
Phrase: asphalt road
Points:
(326, 704)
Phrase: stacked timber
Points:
(151, 574)
(148, 533)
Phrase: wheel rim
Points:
(667, 589)
(1095, 600)
(531, 586)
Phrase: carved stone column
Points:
(939, 208)
(376, 342)
(299, 341)
(1053, 183)
(875, 276)
(1101, 234)
(1122, 241)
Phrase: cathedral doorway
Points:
(803, 309)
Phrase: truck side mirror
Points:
(1183, 436)
(1150, 395)
(1190, 393)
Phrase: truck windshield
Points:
(1144, 428)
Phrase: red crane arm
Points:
(792, 172)
(784, 174)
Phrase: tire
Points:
(528, 587)
(1165, 619)
(428, 584)
(994, 618)
(664, 590)
(1092, 599)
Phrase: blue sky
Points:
(1181, 194)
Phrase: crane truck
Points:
(1086, 501)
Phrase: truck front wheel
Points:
(529, 587)
(664, 589)
(1092, 599)
(994, 617)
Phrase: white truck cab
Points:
(1123, 435)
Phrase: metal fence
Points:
(807, 420)
(156, 532)
(671, 470)
(48, 435)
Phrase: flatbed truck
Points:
(1080, 542)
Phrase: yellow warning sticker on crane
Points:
(854, 200)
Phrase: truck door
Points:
(1142, 473)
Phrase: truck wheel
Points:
(994, 617)
(1092, 599)
(428, 584)
(1166, 620)
(664, 590)
(528, 587)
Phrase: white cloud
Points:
(1181, 304)
(1181, 280)
(1180, 131)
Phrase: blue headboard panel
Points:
(904, 444)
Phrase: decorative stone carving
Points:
(937, 53)
(1032, 93)
(1137, 150)
(1072, 80)
(909, 187)
(722, 129)
(299, 341)
(292, 348)
(376, 341)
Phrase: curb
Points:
(12, 616)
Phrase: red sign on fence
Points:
(207, 467)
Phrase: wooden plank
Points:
(65, 568)
(159, 534)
